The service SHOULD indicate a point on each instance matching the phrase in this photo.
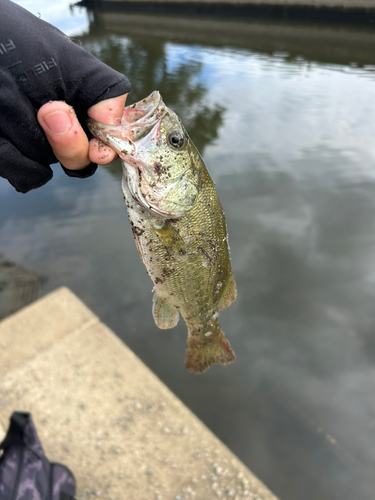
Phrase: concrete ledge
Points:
(25, 335)
(99, 410)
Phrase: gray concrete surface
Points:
(102, 412)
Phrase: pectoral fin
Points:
(165, 315)
(171, 239)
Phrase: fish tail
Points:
(207, 346)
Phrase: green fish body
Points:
(178, 225)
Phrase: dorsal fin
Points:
(229, 294)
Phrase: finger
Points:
(101, 153)
(65, 134)
(108, 111)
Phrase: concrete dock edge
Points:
(100, 411)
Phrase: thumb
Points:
(65, 134)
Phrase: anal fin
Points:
(165, 315)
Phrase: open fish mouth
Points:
(141, 117)
(141, 109)
(136, 122)
(144, 112)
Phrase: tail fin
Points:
(207, 347)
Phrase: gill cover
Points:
(159, 160)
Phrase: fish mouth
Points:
(140, 118)
(137, 121)
(138, 130)
(145, 112)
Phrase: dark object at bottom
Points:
(25, 471)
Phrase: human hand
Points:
(44, 76)
(67, 138)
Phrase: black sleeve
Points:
(38, 64)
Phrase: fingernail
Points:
(57, 122)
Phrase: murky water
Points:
(284, 116)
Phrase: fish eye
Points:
(176, 140)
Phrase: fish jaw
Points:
(136, 123)
(114, 136)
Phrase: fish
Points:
(178, 225)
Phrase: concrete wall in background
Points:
(353, 4)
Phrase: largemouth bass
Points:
(178, 225)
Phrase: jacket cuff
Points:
(83, 173)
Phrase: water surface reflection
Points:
(287, 131)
